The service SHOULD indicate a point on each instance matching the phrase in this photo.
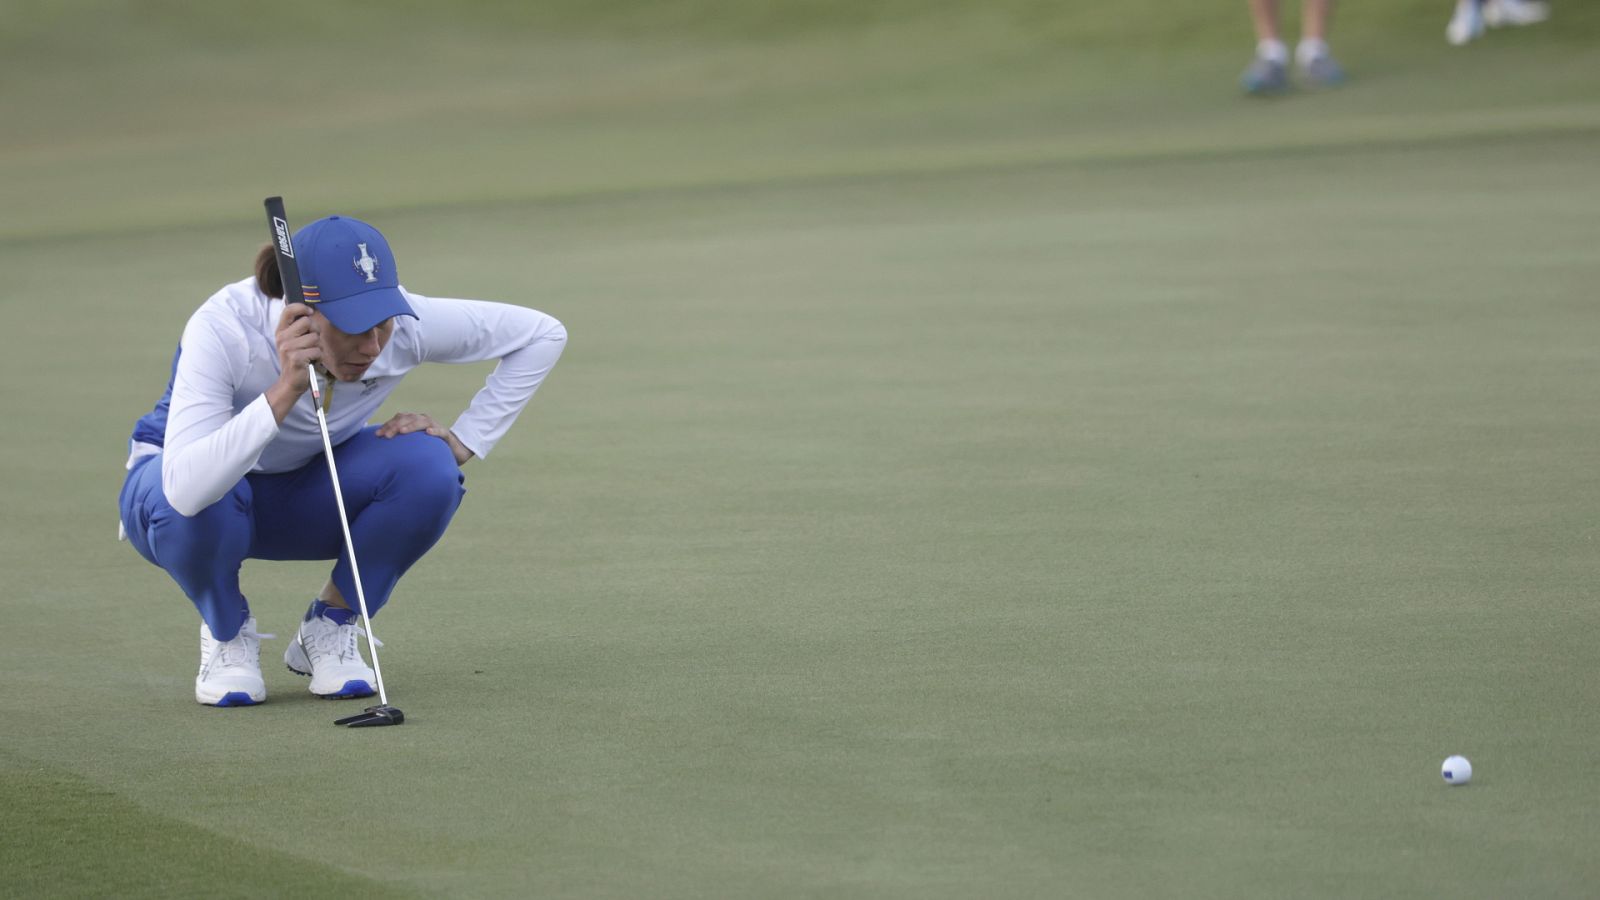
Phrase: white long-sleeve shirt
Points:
(219, 426)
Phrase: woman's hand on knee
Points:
(407, 422)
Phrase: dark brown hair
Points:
(267, 271)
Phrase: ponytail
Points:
(267, 277)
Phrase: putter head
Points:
(373, 715)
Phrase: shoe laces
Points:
(244, 650)
(338, 641)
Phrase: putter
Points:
(289, 273)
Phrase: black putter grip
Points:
(283, 243)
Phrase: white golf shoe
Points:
(230, 671)
(331, 654)
(1466, 24)
(1503, 13)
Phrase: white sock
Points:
(1310, 49)
(1273, 51)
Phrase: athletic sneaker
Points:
(230, 671)
(1466, 24)
(1500, 13)
(1265, 76)
(331, 654)
(1321, 71)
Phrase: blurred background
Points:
(138, 115)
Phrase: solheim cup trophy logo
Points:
(366, 265)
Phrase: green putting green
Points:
(991, 458)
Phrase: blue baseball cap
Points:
(348, 274)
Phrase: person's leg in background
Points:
(1268, 72)
(1466, 22)
(1470, 17)
(1503, 13)
(1317, 66)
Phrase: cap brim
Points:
(360, 313)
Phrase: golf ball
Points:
(1456, 770)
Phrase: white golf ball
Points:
(1456, 770)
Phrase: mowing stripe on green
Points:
(63, 836)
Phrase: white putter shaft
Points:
(344, 522)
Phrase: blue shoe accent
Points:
(1323, 72)
(235, 698)
(354, 688)
(1265, 77)
(331, 613)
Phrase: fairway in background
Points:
(992, 458)
(123, 118)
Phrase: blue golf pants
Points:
(399, 493)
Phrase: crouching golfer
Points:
(229, 465)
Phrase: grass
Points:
(984, 464)
(126, 120)
(58, 826)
